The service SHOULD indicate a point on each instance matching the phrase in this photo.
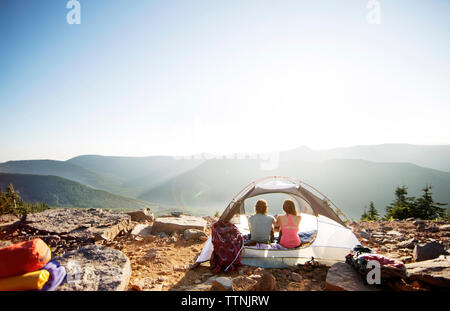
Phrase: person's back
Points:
(261, 227)
(261, 224)
(289, 226)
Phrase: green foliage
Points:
(12, 203)
(372, 214)
(423, 207)
(364, 215)
(216, 214)
(446, 215)
(426, 208)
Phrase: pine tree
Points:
(426, 208)
(373, 213)
(12, 195)
(364, 216)
(11, 203)
(3, 202)
(402, 207)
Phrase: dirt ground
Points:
(165, 264)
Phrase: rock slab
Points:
(178, 224)
(95, 268)
(222, 284)
(267, 282)
(142, 230)
(142, 215)
(193, 234)
(435, 272)
(342, 277)
(85, 224)
(428, 251)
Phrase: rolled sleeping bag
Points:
(23, 257)
(27, 281)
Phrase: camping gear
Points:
(28, 281)
(228, 243)
(57, 275)
(23, 257)
(332, 239)
(267, 246)
(360, 257)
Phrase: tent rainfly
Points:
(332, 240)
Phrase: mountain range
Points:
(61, 192)
(351, 177)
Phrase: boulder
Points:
(244, 283)
(432, 229)
(435, 272)
(142, 215)
(83, 224)
(363, 234)
(142, 230)
(267, 282)
(95, 268)
(178, 224)
(343, 277)
(222, 284)
(394, 233)
(428, 251)
(193, 234)
(408, 243)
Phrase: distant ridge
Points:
(433, 156)
(350, 183)
(58, 168)
(350, 176)
(58, 191)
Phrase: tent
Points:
(330, 240)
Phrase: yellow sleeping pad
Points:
(27, 281)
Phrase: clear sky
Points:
(140, 78)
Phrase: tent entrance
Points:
(333, 240)
(308, 225)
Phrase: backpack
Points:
(390, 268)
(228, 243)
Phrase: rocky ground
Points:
(163, 260)
(401, 239)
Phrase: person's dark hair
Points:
(261, 207)
(289, 207)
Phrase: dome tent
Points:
(332, 239)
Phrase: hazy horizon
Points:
(242, 153)
(181, 78)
